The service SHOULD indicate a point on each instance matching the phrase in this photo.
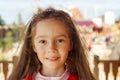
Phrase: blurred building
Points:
(76, 14)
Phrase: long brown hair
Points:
(76, 63)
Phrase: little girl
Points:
(52, 50)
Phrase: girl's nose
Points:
(52, 48)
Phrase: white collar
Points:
(64, 76)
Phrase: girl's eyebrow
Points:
(62, 35)
(41, 36)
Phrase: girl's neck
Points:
(52, 72)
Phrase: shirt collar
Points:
(64, 76)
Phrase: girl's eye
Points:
(42, 41)
(60, 40)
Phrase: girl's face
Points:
(51, 43)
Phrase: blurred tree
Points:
(2, 23)
(17, 31)
(2, 44)
(20, 21)
(118, 19)
(7, 42)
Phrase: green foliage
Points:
(11, 36)
(2, 23)
(2, 44)
(15, 28)
(7, 42)
(3, 58)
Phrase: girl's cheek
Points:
(39, 48)
(62, 46)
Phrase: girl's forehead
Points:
(51, 22)
(50, 26)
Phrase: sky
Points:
(9, 9)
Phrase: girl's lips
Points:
(52, 58)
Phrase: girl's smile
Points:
(52, 58)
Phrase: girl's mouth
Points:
(52, 58)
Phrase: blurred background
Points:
(98, 22)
